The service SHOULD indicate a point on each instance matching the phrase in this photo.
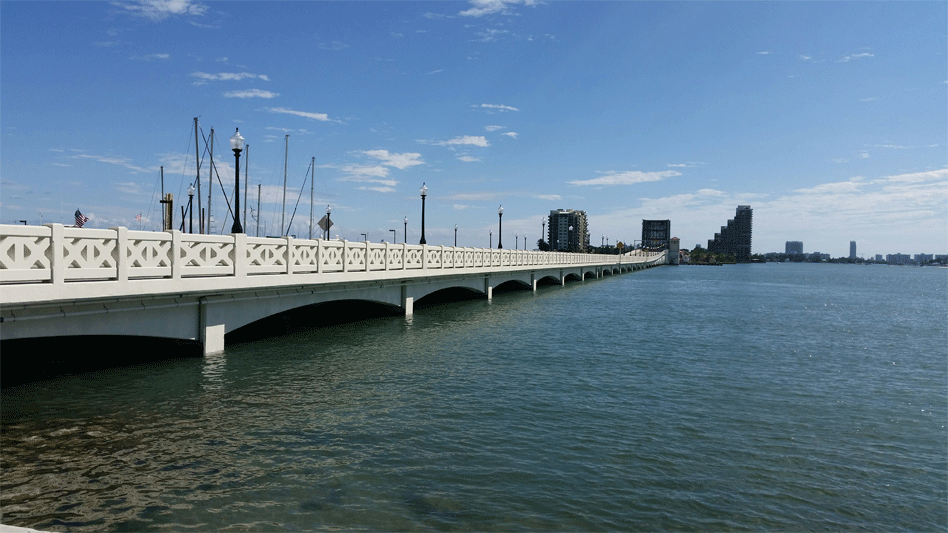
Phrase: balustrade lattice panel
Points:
(413, 258)
(433, 257)
(330, 259)
(355, 257)
(264, 256)
(396, 257)
(305, 256)
(207, 255)
(90, 253)
(376, 257)
(25, 254)
(148, 254)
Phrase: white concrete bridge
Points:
(59, 281)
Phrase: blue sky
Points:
(829, 118)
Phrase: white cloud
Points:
(251, 93)
(112, 160)
(846, 59)
(305, 114)
(377, 189)
(488, 7)
(805, 57)
(468, 159)
(549, 197)
(158, 10)
(627, 178)
(228, 76)
(764, 53)
(493, 128)
(470, 140)
(499, 107)
(511, 134)
(399, 161)
(151, 57)
(461, 207)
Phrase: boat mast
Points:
(246, 180)
(210, 185)
(197, 163)
(311, 180)
(283, 215)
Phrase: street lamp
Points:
(524, 241)
(602, 241)
(490, 241)
(394, 236)
(191, 209)
(364, 237)
(455, 235)
(500, 227)
(405, 240)
(237, 145)
(569, 238)
(516, 241)
(328, 221)
(542, 228)
(424, 192)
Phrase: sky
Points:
(830, 119)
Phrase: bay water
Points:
(690, 398)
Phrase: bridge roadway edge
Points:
(205, 309)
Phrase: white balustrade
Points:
(55, 253)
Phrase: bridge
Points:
(60, 281)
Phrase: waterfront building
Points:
(924, 258)
(656, 233)
(852, 249)
(794, 247)
(735, 237)
(560, 237)
(898, 259)
(879, 257)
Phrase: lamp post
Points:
(394, 236)
(328, 221)
(500, 227)
(191, 209)
(543, 229)
(524, 241)
(490, 239)
(237, 145)
(516, 241)
(602, 241)
(364, 237)
(455, 235)
(569, 238)
(424, 192)
(405, 240)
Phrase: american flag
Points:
(80, 219)
(138, 217)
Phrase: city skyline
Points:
(818, 115)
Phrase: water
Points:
(748, 397)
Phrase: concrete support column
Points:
(488, 289)
(408, 302)
(121, 254)
(211, 328)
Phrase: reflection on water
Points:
(763, 397)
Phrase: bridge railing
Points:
(54, 253)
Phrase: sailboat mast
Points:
(210, 184)
(197, 163)
(311, 181)
(283, 215)
(246, 180)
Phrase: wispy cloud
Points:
(159, 10)
(687, 164)
(151, 57)
(305, 114)
(489, 7)
(499, 107)
(764, 53)
(228, 76)
(626, 178)
(511, 134)
(114, 160)
(493, 128)
(467, 140)
(251, 93)
(549, 197)
(862, 55)
(468, 159)
(399, 161)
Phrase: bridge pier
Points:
(211, 329)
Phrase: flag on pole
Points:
(80, 219)
(138, 217)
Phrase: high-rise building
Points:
(564, 239)
(852, 249)
(656, 233)
(794, 247)
(735, 238)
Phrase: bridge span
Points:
(60, 281)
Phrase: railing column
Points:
(366, 256)
(240, 255)
(176, 245)
(290, 256)
(345, 247)
(319, 256)
(386, 257)
(121, 254)
(424, 257)
(57, 264)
